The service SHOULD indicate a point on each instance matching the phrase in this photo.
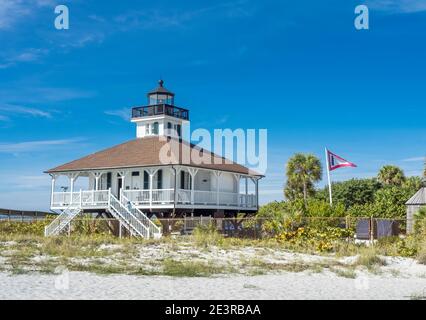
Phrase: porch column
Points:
(151, 179)
(193, 173)
(53, 188)
(123, 175)
(174, 173)
(246, 197)
(151, 173)
(217, 174)
(97, 183)
(72, 184)
(237, 179)
(256, 194)
(73, 177)
(97, 176)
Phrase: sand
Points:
(398, 278)
(288, 285)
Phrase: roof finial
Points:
(161, 82)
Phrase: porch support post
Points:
(246, 196)
(151, 179)
(97, 175)
(237, 179)
(71, 185)
(193, 173)
(123, 175)
(256, 194)
(174, 173)
(217, 174)
(53, 188)
(151, 173)
(72, 177)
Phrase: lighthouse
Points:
(160, 117)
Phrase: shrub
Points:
(206, 235)
(176, 268)
(420, 221)
(86, 225)
(369, 258)
(322, 240)
(351, 192)
(24, 228)
(421, 255)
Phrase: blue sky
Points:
(296, 68)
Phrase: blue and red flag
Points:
(336, 162)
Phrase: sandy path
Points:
(304, 285)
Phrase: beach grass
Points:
(369, 258)
(203, 254)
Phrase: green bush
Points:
(86, 225)
(351, 192)
(24, 228)
(207, 235)
(322, 240)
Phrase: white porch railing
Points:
(138, 197)
(82, 198)
(130, 217)
(184, 196)
(212, 198)
(157, 197)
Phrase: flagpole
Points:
(329, 176)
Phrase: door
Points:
(119, 186)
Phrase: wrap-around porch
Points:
(156, 189)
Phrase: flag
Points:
(336, 162)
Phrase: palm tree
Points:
(424, 170)
(303, 170)
(391, 175)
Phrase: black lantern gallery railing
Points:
(160, 109)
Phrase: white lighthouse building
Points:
(133, 181)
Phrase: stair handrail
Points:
(58, 224)
(131, 222)
(153, 228)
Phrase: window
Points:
(155, 128)
(160, 179)
(147, 129)
(135, 174)
(178, 130)
(109, 180)
(185, 180)
(182, 180)
(145, 180)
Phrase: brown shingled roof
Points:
(145, 152)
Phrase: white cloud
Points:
(14, 109)
(31, 146)
(10, 59)
(398, 6)
(161, 19)
(121, 113)
(11, 11)
(415, 159)
(31, 93)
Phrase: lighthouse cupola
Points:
(161, 95)
(160, 116)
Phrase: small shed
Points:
(413, 205)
